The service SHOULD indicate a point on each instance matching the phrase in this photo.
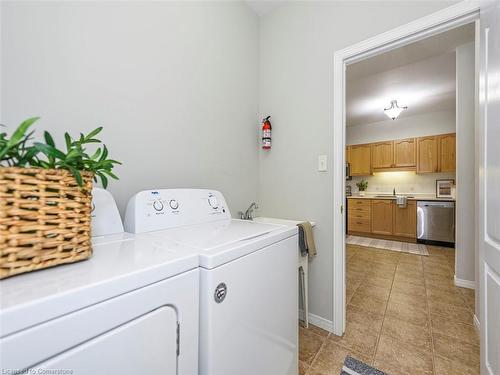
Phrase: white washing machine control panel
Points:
(159, 209)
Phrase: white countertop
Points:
(411, 197)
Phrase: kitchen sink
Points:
(391, 196)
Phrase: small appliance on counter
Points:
(348, 176)
(348, 191)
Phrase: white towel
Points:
(401, 201)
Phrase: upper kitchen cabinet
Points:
(430, 154)
(383, 155)
(360, 160)
(427, 154)
(447, 152)
(405, 153)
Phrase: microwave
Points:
(348, 176)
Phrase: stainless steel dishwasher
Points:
(436, 223)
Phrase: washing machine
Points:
(132, 308)
(248, 279)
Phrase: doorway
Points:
(437, 23)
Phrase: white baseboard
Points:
(477, 325)
(464, 283)
(318, 321)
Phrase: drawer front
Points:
(360, 225)
(360, 203)
(359, 214)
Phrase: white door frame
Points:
(435, 23)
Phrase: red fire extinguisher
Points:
(266, 133)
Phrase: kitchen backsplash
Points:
(403, 182)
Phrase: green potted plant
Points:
(46, 198)
(362, 186)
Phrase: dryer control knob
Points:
(174, 205)
(157, 205)
(213, 202)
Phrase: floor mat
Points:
(354, 367)
(403, 247)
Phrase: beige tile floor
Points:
(404, 316)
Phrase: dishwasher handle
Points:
(436, 204)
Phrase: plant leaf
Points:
(21, 130)
(68, 141)
(50, 151)
(93, 133)
(48, 139)
(16, 137)
(96, 154)
(104, 181)
(104, 154)
(76, 173)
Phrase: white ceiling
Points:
(420, 75)
(263, 7)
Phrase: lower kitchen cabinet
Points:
(359, 216)
(405, 220)
(382, 216)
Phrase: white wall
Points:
(465, 227)
(298, 41)
(433, 123)
(175, 85)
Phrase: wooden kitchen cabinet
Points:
(427, 154)
(383, 155)
(360, 160)
(359, 216)
(405, 220)
(382, 216)
(348, 154)
(447, 152)
(405, 153)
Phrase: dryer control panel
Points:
(158, 209)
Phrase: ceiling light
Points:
(394, 110)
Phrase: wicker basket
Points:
(44, 219)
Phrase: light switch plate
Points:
(322, 163)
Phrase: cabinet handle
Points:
(359, 223)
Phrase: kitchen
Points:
(394, 216)
(409, 185)
(404, 158)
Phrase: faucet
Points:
(394, 191)
(248, 213)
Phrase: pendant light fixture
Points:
(394, 110)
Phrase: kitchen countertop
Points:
(415, 197)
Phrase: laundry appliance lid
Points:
(115, 268)
(222, 241)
